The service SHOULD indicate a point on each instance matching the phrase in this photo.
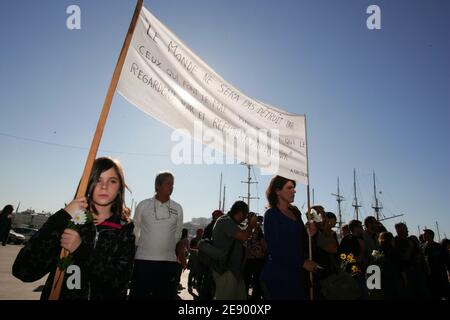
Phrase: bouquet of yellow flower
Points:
(342, 285)
(347, 259)
(79, 218)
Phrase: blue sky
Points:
(374, 99)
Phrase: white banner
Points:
(164, 78)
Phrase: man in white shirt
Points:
(158, 225)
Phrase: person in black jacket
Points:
(103, 249)
(205, 281)
(5, 223)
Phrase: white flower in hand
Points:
(314, 216)
(79, 217)
(377, 254)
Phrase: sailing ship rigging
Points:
(356, 204)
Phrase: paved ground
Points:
(12, 288)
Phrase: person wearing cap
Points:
(159, 224)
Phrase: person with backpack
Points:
(229, 237)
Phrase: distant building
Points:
(30, 218)
(201, 221)
(194, 224)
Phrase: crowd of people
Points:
(284, 256)
(273, 258)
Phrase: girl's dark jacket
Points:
(105, 258)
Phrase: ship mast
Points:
(355, 201)
(220, 192)
(223, 202)
(437, 231)
(376, 206)
(249, 182)
(339, 199)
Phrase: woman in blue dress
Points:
(284, 273)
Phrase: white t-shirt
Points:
(157, 229)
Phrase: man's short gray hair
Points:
(161, 177)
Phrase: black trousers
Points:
(253, 268)
(154, 280)
(4, 235)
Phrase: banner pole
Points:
(81, 191)
(311, 290)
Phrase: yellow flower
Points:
(343, 256)
(350, 256)
(355, 269)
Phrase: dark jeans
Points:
(154, 280)
(253, 268)
(205, 283)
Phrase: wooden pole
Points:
(311, 290)
(59, 275)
